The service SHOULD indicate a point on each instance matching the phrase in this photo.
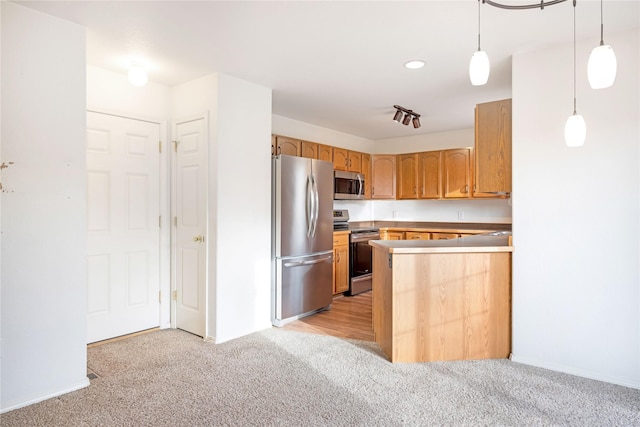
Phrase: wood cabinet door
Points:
(355, 162)
(308, 150)
(430, 175)
(341, 272)
(288, 146)
(366, 172)
(456, 170)
(407, 176)
(325, 152)
(383, 176)
(492, 171)
(340, 159)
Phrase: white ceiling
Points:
(339, 64)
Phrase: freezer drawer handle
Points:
(303, 263)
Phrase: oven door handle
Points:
(362, 237)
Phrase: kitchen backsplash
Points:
(482, 211)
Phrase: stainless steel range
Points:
(360, 253)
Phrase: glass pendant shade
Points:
(575, 131)
(138, 76)
(479, 68)
(602, 67)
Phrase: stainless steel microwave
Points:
(348, 185)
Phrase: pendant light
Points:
(602, 65)
(575, 129)
(479, 66)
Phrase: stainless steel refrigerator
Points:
(302, 237)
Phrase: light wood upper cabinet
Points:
(407, 176)
(492, 171)
(456, 173)
(430, 175)
(325, 152)
(366, 172)
(286, 145)
(308, 150)
(346, 160)
(383, 176)
(340, 159)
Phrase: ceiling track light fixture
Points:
(409, 116)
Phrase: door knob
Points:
(199, 239)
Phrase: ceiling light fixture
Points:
(138, 75)
(414, 64)
(602, 65)
(575, 129)
(479, 66)
(409, 116)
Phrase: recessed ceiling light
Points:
(414, 64)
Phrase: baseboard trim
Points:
(626, 382)
(31, 400)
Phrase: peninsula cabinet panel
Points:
(430, 175)
(288, 146)
(366, 173)
(456, 170)
(383, 176)
(464, 309)
(493, 148)
(407, 176)
(325, 152)
(309, 150)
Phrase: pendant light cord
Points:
(574, 57)
(478, 25)
(601, 26)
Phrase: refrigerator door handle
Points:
(310, 206)
(303, 263)
(316, 204)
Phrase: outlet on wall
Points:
(395, 214)
(460, 214)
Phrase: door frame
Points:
(164, 314)
(173, 209)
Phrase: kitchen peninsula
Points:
(443, 299)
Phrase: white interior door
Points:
(190, 197)
(123, 166)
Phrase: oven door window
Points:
(361, 258)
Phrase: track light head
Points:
(416, 122)
(407, 119)
(398, 116)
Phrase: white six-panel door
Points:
(123, 167)
(190, 200)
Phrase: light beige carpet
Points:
(285, 378)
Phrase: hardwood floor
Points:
(349, 317)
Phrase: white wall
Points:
(426, 142)
(243, 168)
(576, 278)
(43, 264)
(111, 93)
(239, 217)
